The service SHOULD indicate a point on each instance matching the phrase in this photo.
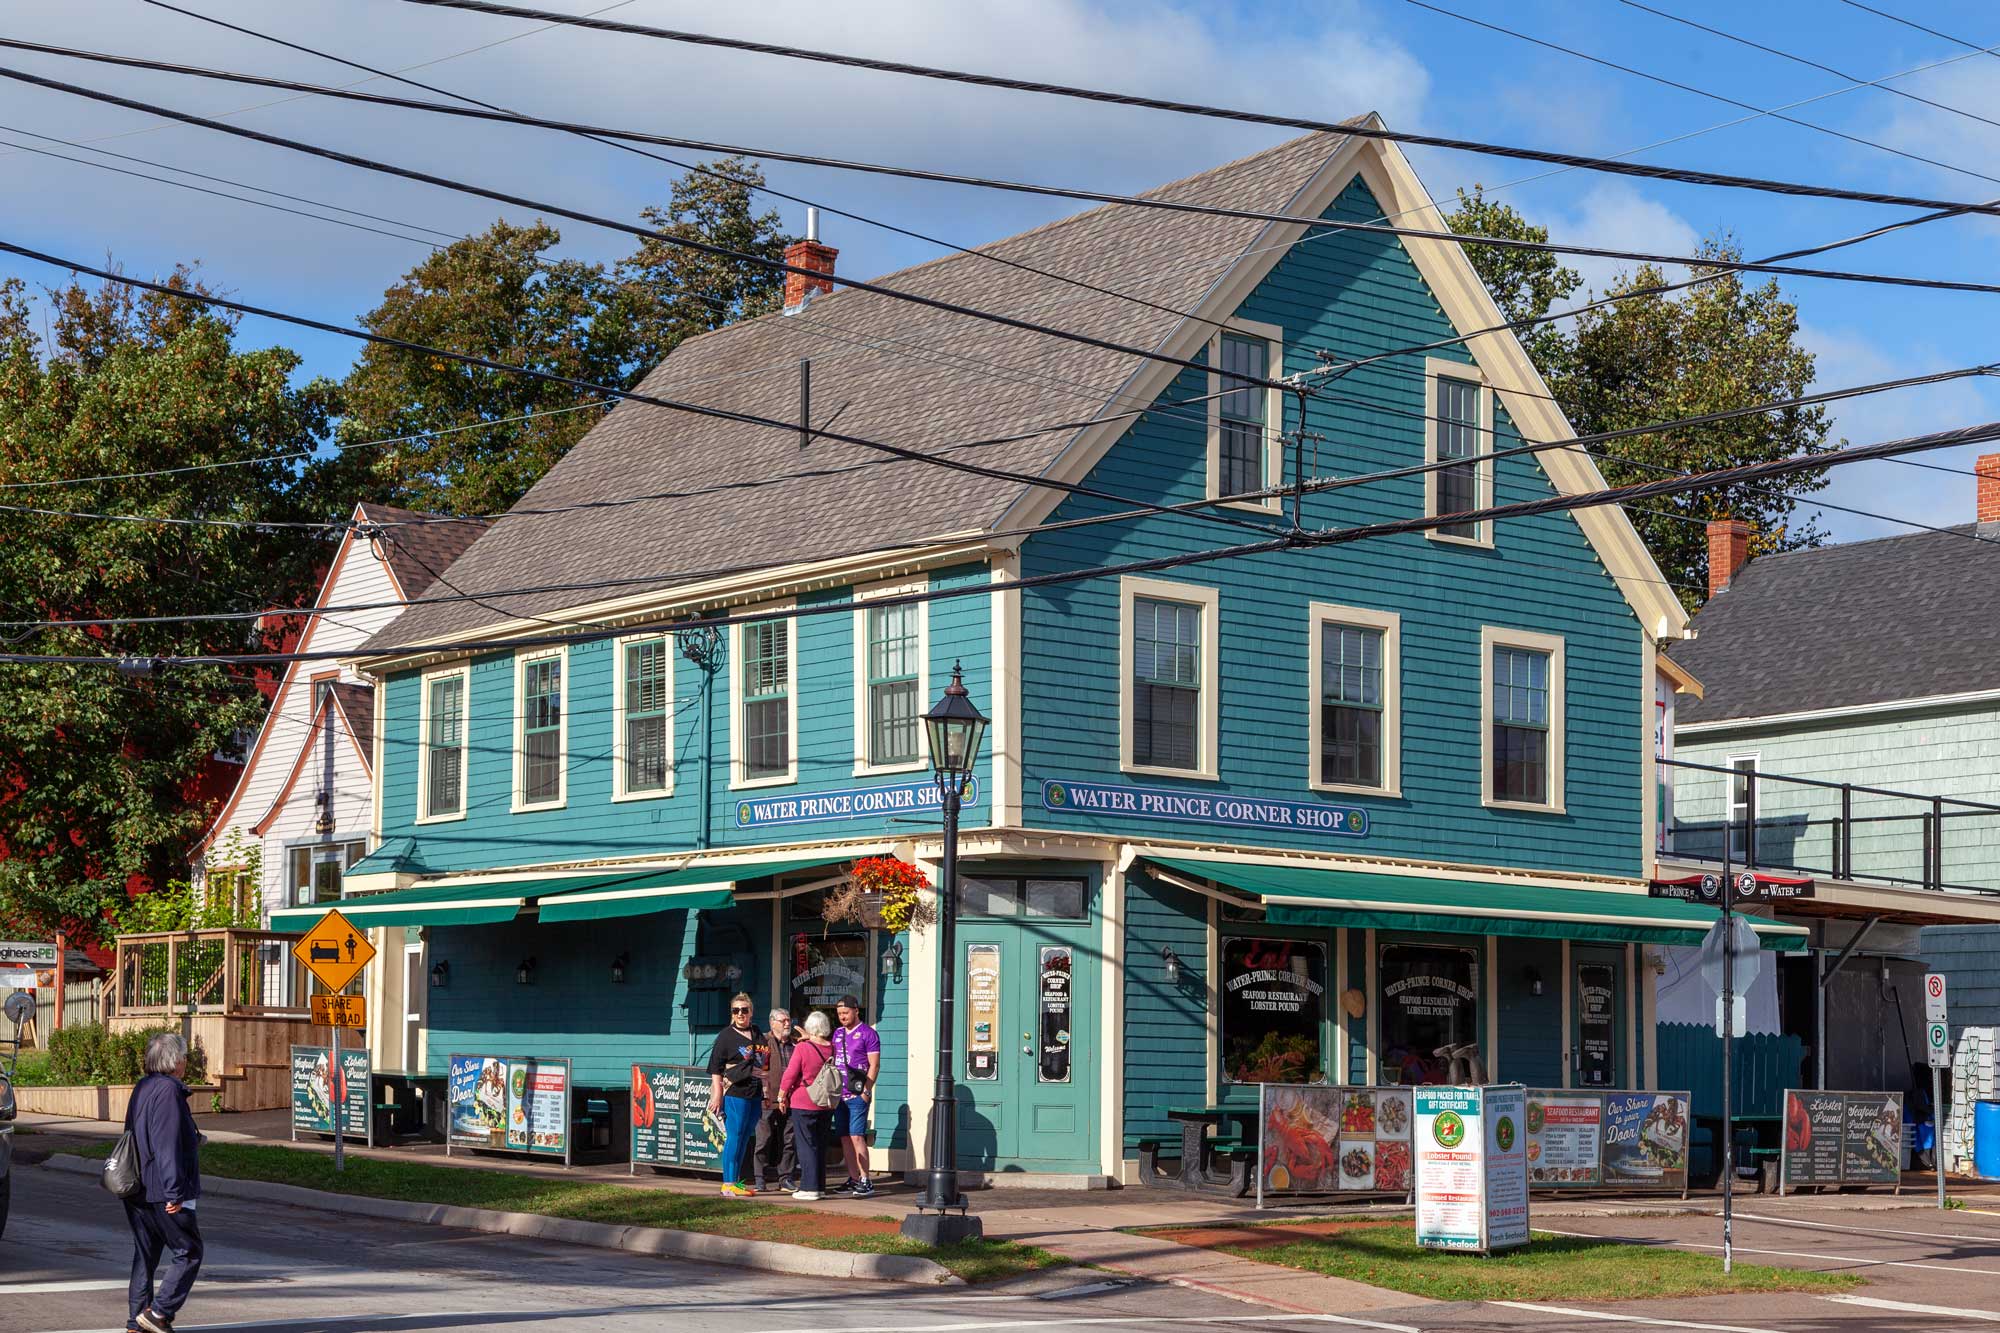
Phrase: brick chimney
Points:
(1988, 468)
(1729, 548)
(808, 253)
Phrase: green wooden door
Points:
(1597, 1023)
(1026, 1046)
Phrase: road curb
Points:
(764, 1255)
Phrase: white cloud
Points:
(1615, 215)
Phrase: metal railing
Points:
(1788, 841)
(229, 971)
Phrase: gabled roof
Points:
(419, 546)
(1846, 626)
(338, 709)
(356, 703)
(730, 493)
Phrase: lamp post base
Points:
(943, 1228)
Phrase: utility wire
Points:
(1686, 175)
(1284, 542)
(1912, 23)
(613, 137)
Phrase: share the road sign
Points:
(334, 950)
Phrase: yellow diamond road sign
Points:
(334, 950)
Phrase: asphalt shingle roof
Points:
(892, 371)
(357, 703)
(1862, 623)
(420, 545)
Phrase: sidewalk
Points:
(1093, 1227)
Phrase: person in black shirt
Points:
(736, 1069)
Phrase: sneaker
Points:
(154, 1323)
(806, 1196)
(861, 1189)
(789, 1185)
(844, 1188)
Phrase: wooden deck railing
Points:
(232, 971)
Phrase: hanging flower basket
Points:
(881, 893)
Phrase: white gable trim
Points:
(1466, 304)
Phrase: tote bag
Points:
(121, 1169)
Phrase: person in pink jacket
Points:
(795, 1093)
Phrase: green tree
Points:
(99, 772)
(1658, 356)
(504, 296)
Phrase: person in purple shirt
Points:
(857, 1051)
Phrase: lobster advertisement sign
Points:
(1326, 1140)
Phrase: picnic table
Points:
(1765, 1130)
(1198, 1148)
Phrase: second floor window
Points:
(647, 711)
(1520, 745)
(893, 672)
(1166, 684)
(444, 746)
(541, 731)
(1457, 430)
(1241, 461)
(1351, 706)
(767, 688)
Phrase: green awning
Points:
(665, 890)
(1308, 896)
(440, 904)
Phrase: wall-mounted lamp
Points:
(524, 972)
(892, 960)
(440, 975)
(618, 965)
(1533, 976)
(1171, 961)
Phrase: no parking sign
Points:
(1937, 1030)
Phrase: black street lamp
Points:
(954, 728)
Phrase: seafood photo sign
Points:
(1624, 1140)
(508, 1104)
(1841, 1138)
(1325, 1140)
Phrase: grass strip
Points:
(1386, 1254)
(602, 1201)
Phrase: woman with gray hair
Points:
(809, 1090)
(162, 1214)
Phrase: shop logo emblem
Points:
(1055, 795)
(1503, 1133)
(1711, 887)
(1448, 1129)
(743, 812)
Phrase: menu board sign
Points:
(1322, 1140)
(982, 1011)
(1451, 1178)
(1565, 1139)
(1841, 1138)
(671, 1125)
(1628, 1140)
(1504, 1110)
(508, 1104)
(1053, 1067)
(318, 1087)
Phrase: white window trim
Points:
(1494, 636)
(1436, 368)
(1756, 761)
(521, 663)
(862, 596)
(618, 770)
(1391, 626)
(1210, 601)
(737, 781)
(1274, 414)
(464, 672)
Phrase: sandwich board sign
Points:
(334, 950)
(1472, 1168)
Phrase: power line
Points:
(1685, 175)
(1912, 23)
(615, 139)
(1284, 542)
(668, 238)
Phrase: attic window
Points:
(1458, 433)
(1244, 417)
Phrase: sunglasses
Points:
(744, 1009)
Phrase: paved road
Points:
(278, 1268)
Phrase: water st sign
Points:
(1201, 807)
(1752, 887)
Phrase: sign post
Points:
(335, 951)
(1937, 1034)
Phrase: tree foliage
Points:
(480, 438)
(98, 770)
(1662, 356)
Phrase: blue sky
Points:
(1419, 68)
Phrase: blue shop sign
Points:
(902, 798)
(1203, 808)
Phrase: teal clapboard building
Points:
(1311, 811)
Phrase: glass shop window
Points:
(1273, 1011)
(1429, 1001)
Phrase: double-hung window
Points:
(443, 751)
(1170, 687)
(890, 648)
(645, 705)
(765, 723)
(1524, 719)
(1356, 707)
(1243, 415)
(1457, 433)
(542, 729)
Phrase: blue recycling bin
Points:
(1986, 1140)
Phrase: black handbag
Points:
(121, 1169)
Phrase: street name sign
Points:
(340, 1011)
(334, 950)
(1752, 887)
